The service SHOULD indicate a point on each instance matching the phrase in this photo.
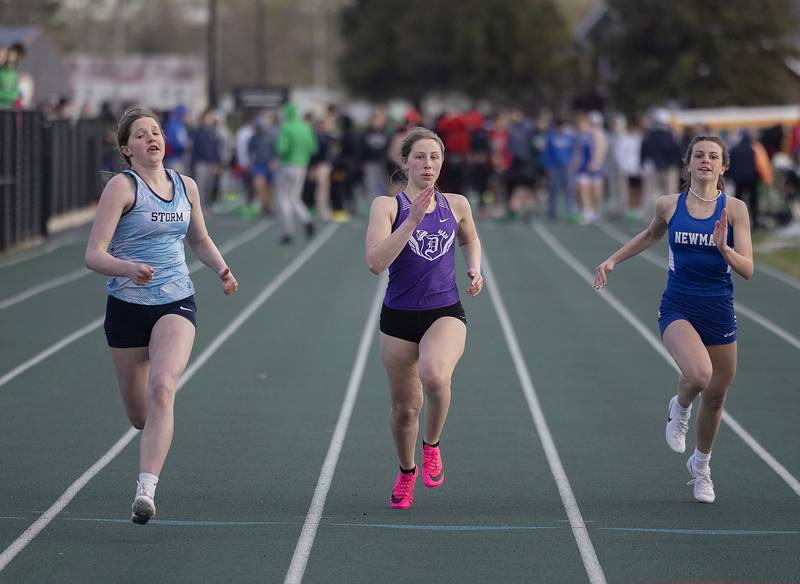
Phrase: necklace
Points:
(691, 190)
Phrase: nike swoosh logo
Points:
(437, 477)
(395, 499)
(442, 220)
(186, 309)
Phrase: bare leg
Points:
(723, 358)
(133, 367)
(440, 349)
(170, 346)
(692, 358)
(596, 196)
(323, 191)
(400, 359)
(584, 199)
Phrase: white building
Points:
(160, 82)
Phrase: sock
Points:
(412, 471)
(680, 410)
(147, 482)
(701, 460)
(432, 445)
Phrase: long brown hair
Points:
(687, 157)
(126, 121)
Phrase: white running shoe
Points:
(703, 487)
(677, 427)
(143, 508)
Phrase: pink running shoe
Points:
(432, 471)
(403, 493)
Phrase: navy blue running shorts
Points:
(411, 325)
(129, 325)
(713, 318)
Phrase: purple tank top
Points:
(423, 276)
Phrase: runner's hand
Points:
(601, 274)
(477, 283)
(141, 274)
(419, 206)
(229, 283)
(721, 231)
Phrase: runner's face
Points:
(706, 162)
(424, 163)
(146, 142)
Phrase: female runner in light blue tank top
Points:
(696, 314)
(137, 241)
(423, 328)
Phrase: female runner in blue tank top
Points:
(709, 234)
(137, 241)
(423, 325)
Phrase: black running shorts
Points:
(411, 325)
(129, 325)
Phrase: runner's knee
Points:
(434, 379)
(698, 376)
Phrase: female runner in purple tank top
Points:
(423, 325)
(709, 234)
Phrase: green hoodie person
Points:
(9, 81)
(9, 87)
(296, 141)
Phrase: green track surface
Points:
(254, 424)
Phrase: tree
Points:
(508, 50)
(122, 26)
(26, 13)
(700, 54)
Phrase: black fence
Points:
(47, 168)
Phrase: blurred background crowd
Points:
(573, 110)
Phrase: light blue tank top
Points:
(152, 232)
(695, 265)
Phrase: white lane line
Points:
(613, 233)
(588, 277)
(778, 275)
(297, 567)
(245, 236)
(84, 330)
(767, 324)
(590, 562)
(48, 248)
(37, 526)
(44, 286)
(77, 274)
(35, 360)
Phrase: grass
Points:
(786, 258)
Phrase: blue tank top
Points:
(695, 265)
(151, 232)
(423, 276)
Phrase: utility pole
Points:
(120, 26)
(261, 43)
(211, 56)
(319, 32)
